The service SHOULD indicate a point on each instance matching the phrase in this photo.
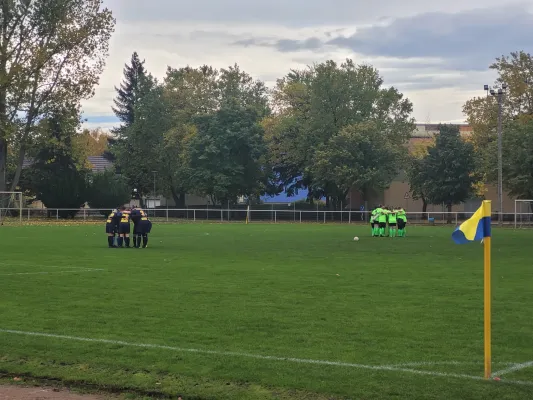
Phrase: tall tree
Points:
(516, 71)
(361, 156)
(315, 105)
(129, 91)
(415, 171)
(51, 53)
(138, 151)
(55, 177)
(226, 154)
(449, 168)
(188, 93)
(518, 156)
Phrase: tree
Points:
(518, 159)
(449, 169)
(51, 53)
(187, 93)
(89, 143)
(514, 70)
(54, 177)
(107, 189)
(226, 154)
(138, 150)
(415, 172)
(315, 105)
(129, 91)
(361, 156)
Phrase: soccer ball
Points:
(356, 239)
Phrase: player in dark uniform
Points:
(145, 227)
(111, 228)
(136, 218)
(124, 228)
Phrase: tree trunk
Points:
(178, 197)
(3, 96)
(424, 208)
(18, 172)
(449, 219)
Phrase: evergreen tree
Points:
(129, 92)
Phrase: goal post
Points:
(10, 207)
(523, 213)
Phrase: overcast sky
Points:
(437, 53)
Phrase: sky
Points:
(437, 53)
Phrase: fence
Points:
(172, 215)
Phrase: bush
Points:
(107, 190)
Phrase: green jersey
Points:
(382, 217)
(402, 215)
(375, 214)
(392, 217)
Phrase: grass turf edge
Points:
(86, 379)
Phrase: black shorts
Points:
(124, 228)
(382, 224)
(144, 227)
(401, 224)
(392, 223)
(110, 228)
(372, 224)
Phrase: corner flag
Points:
(478, 227)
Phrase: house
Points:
(398, 193)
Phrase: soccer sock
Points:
(134, 240)
(139, 240)
(120, 241)
(145, 240)
(110, 241)
(127, 241)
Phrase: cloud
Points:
(293, 13)
(416, 45)
(468, 40)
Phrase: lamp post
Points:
(499, 93)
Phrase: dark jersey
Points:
(125, 218)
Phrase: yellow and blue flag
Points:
(475, 228)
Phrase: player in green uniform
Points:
(392, 222)
(373, 221)
(382, 222)
(402, 222)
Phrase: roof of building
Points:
(98, 163)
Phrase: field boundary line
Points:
(513, 368)
(255, 356)
(54, 272)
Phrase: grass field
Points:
(265, 311)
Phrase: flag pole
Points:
(487, 293)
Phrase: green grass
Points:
(288, 291)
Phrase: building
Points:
(398, 194)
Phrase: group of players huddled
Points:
(393, 218)
(118, 227)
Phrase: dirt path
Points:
(39, 393)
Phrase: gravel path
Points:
(39, 393)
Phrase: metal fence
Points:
(240, 215)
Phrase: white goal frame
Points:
(529, 213)
(17, 195)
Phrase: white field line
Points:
(513, 368)
(436, 363)
(254, 356)
(54, 272)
